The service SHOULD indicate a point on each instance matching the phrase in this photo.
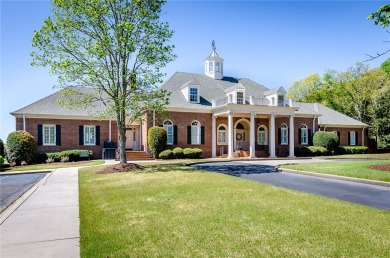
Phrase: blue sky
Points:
(271, 42)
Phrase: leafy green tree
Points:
(385, 66)
(382, 17)
(300, 90)
(115, 48)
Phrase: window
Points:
(280, 100)
(211, 67)
(222, 139)
(195, 132)
(217, 67)
(240, 97)
(193, 95)
(284, 134)
(49, 134)
(304, 135)
(168, 126)
(352, 138)
(262, 135)
(89, 135)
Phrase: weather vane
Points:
(213, 45)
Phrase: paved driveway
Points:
(13, 186)
(265, 172)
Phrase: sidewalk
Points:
(46, 224)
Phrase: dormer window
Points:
(194, 95)
(217, 67)
(280, 100)
(240, 97)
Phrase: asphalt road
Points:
(370, 195)
(13, 186)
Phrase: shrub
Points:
(328, 140)
(20, 147)
(65, 156)
(310, 151)
(167, 154)
(2, 151)
(53, 157)
(157, 140)
(352, 149)
(178, 152)
(39, 158)
(192, 153)
(1, 163)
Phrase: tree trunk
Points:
(122, 138)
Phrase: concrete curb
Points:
(344, 178)
(26, 172)
(10, 209)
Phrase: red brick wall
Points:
(343, 135)
(70, 133)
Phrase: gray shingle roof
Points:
(273, 91)
(49, 106)
(209, 89)
(329, 116)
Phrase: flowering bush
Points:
(20, 147)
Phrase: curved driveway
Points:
(265, 172)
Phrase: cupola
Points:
(213, 65)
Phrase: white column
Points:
(230, 135)
(272, 140)
(213, 138)
(291, 136)
(252, 137)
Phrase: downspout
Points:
(363, 136)
(140, 135)
(109, 130)
(314, 124)
(24, 122)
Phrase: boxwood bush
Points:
(310, 151)
(1, 163)
(166, 154)
(2, 150)
(65, 156)
(352, 149)
(328, 140)
(157, 140)
(178, 152)
(20, 147)
(194, 153)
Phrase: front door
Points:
(242, 139)
(131, 138)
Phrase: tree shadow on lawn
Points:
(237, 170)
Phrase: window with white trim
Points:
(304, 134)
(262, 135)
(193, 95)
(211, 67)
(217, 66)
(89, 135)
(280, 100)
(195, 132)
(168, 126)
(49, 134)
(222, 139)
(352, 138)
(240, 97)
(284, 134)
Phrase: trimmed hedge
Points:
(178, 153)
(64, 156)
(310, 151)
(166, 154)
(328, 140)
(2, 150)
(20, 147)
(1, 162)
(194, 153)
(352, 149)
(157, 140)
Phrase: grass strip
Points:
(176, 211)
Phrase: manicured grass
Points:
(357, 169)
(54, 166)
(176, 211)
(360, 156)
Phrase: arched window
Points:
(304, 134)
(262, 135)
(284, 134)
(195, 132)
(168, 126)
(222, 139)
(240, 126)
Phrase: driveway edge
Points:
(350, 179)
(10, 209)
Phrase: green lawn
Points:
(176, 211)
(357, 169)
(360, 156)
(53, 166)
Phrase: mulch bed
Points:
(127, 167)
(384, 167)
